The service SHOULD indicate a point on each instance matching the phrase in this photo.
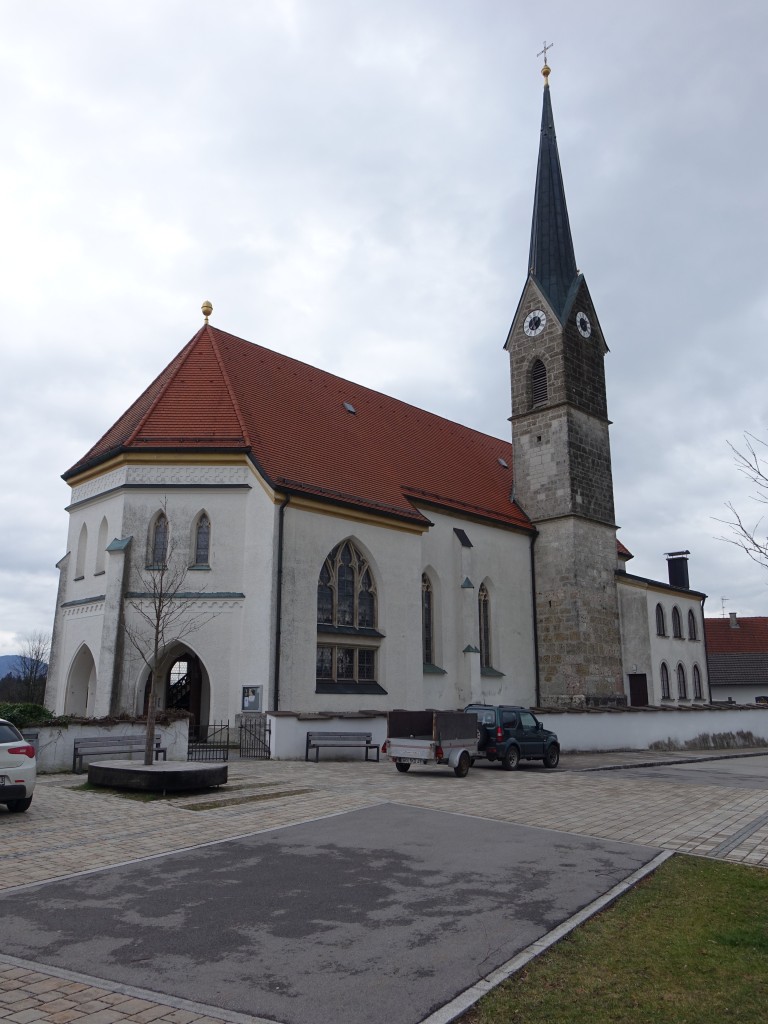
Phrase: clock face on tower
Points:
(535, 323)
(582, 322)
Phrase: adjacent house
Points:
(738, 658)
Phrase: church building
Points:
(321, 547)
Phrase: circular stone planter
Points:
(160, 777)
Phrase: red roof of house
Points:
(224, 394)
(751, 636)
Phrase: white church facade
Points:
(332, 549)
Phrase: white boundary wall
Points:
(576, 730)
(55, 743)
(289, 735)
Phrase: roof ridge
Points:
(180, 361)
(230, 390)
(364, 387)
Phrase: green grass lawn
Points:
(687, 945)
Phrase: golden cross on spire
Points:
(547, 46)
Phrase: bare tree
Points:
(752, 462)
(162, 615)
(33, 665)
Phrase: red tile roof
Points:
(751, 637)
(224, 394)
(622, 551)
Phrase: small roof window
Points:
(504, 463)
(350, 408)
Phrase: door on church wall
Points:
(183, 687)
(81, 684)
(638, 690)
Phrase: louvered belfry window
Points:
(539, 388)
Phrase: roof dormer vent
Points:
(350, 408)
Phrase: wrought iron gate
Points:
(255, 735)
(209, 742)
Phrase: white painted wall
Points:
(576, 731)
(636, 730)
(643, 651)
(54, 744)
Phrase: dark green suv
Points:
(511, 734)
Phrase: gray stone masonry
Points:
(577, 614)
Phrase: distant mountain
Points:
(9, 665)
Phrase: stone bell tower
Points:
(562, 457)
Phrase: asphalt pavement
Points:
(340, 891)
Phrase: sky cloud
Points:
(352, 184)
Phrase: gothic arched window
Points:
(677, 623)
(682, 690)
(82, 547)
(203, 540)
(427, 621)
(692, 631)
(539, 385)
(484, 616)
(664, 681)
(346, 605)
(661, 625)
(697, 694)
(346, 594)
(159, 542)
(101, 546)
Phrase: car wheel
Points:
(401, 767)
(511, 759)
(552, 757)
(19, 806)
(463, 766)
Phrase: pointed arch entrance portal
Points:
(184, 687)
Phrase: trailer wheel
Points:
(462, 767)
(402, 767)
(511, 759)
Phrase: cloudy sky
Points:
(350, 182)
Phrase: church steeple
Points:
(551, 261)
(562, 453)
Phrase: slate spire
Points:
(551, 261)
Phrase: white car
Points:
(18, 768)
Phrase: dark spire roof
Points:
(551, 262)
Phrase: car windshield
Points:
(9, 733)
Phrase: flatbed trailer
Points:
(431, 737)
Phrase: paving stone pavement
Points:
(70, 830)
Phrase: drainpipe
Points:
(279, 599)
(535, 624)
(706, 651)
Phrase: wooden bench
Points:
(315, 740)
(86, 747)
